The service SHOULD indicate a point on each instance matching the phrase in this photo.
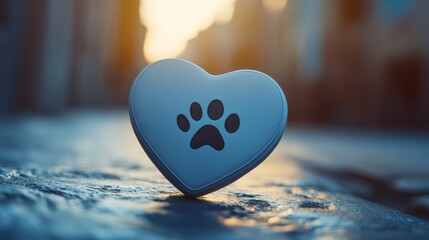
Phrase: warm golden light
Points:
(274, 5)
(171, 24)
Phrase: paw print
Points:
(208, 134)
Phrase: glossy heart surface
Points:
(204, 131)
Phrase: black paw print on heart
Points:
(208, 134)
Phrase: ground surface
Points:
(83, 175)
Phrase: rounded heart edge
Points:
(231, 177)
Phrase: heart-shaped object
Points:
(203, 131)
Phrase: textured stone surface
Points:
(83, 175)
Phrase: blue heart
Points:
(203, 131)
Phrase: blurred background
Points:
(354, 63)
(355, 74)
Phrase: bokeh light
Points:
(171, 24)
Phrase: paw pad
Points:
(208, 134)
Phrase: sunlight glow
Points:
(171, 24)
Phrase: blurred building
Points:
(354, 62)
(351, 63)
(60, 54)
